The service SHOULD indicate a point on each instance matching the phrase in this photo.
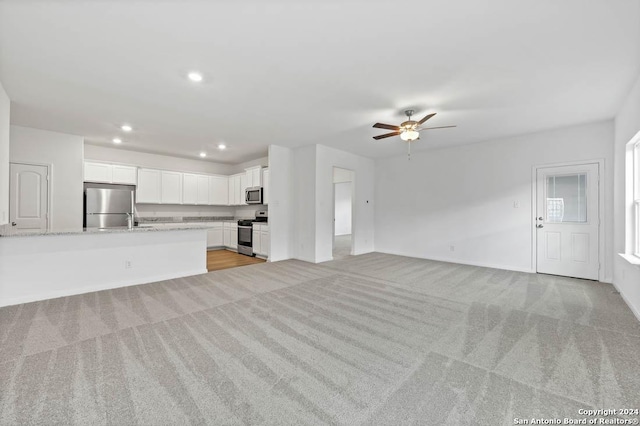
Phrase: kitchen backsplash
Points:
(171, 213)
(153, 210)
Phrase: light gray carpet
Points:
(372, 339)
(341, 246)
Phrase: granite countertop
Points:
(143, 221)
(184, 219)
(100, 231)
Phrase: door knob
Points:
(540, 226)
(13, 224)
(540, 218)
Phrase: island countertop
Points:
(95, 231)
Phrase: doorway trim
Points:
(49, 167)
(601, 211)
(353, 209)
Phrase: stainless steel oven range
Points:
(245, 232)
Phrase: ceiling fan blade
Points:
(386, 126)
(426, 117)
(387, 135)
(440, 127)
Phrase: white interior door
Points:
(567, 221)
(28, 197)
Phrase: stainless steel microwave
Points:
(253, 195)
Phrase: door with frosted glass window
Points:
(567, 221)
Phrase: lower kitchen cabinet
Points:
(215, 235)
(230, 235)
(261, 239)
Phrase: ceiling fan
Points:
(409, 130)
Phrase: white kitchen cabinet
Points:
(253, 176)
(243, 186)
(215, 235)
(98, 172)
(265, 186)
(202, 185)
(109, 173)
(234, 237)
(218, 190)
(261, 239)
(124, 175)
(170, 187)
(149, 184)
(236, 191)
(230, 235)
(265, 241)
(232, 191)
(226, 235)
(257, 247)
(189, 188)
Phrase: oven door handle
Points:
(245, 227)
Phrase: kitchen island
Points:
(38, 266)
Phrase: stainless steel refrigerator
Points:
(108, 206)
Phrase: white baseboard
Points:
(634, 310)
(107, 286)
(460, 262)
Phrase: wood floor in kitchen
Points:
(224, 259)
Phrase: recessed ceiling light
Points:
(195, 76)
(126, 128)
(203, 154)
(222, 146)
(117, 140)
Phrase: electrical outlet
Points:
(516, 204)
(127, 264)
(452, 248)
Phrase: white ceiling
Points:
(313, 71)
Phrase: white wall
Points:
(464, 197)
(155, 161)
(281, 203)
(5, 105)
(342, 208)
(42, 267)
(262, 161)
(626, 277)
(305, 202)
(363, 200)
(65, 154)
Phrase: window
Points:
(636, 198)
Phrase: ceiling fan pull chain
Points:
(409, 151)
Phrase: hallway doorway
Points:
(342, 213)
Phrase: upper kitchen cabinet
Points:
(265, 186)
(244, 184)
(149, 185)
(189, 188)
(202, 189)
(97, 172)
(195, 189)
(171, 187)
(109, 173)
(253, 176)
(219, 190)
(237, 185)
(124, 174)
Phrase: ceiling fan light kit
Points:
(409, 135)
(409, 130)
